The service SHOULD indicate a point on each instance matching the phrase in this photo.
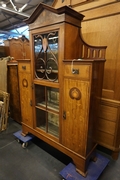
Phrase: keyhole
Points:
(62, 1)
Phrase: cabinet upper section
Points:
(46, 15)
(68, 23)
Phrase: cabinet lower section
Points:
(80, 162)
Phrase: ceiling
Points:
(12, 16)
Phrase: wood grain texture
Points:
(25, 87)
(79, 91)
(16, 48)
(13, 89)
(108, 131)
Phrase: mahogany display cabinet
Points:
(66, 84)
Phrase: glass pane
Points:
(47, 109)
(53, 124)
(41, 119)
(40, 95)
(46, 56)
(53, 99)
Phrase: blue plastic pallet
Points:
(23, 139)
(94, 170)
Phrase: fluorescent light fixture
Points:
(3, 5)
(2, 34)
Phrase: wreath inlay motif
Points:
(75, 93)
(25, 83)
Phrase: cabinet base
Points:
(80, 162)
(94, 170)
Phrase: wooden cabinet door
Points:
(75, 115)
(26, 97)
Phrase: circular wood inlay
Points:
(75, 93)
(25, 83)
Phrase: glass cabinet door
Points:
(46, 56)
(47, 109)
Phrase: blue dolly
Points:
(23, 139)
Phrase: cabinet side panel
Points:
(13, 89)
(72, 42)
(95, 99)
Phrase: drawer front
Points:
(106, 126)
(77, 71)
(108, 113)
(24, 67)
(104, 138)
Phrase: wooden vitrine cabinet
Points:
(67, 79)
(18, 48)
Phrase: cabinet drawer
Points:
(106, 126)
(24, 67)
(105, 138)
(81, 71)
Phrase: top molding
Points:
(62, 10)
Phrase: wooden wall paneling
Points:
(100, 29)
(58, 3)
(76, 4)
(90, 4)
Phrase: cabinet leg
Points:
(84, 174)
(94, 159)
(81, 166)
(82, 163)
(115, 155)
(24, 131)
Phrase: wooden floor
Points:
(39, 161)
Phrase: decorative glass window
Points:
(46, 56)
